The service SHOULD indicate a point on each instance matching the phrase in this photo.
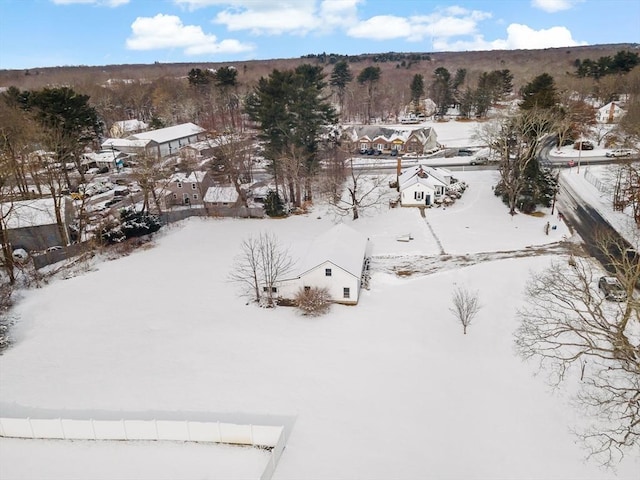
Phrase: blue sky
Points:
(43, 33)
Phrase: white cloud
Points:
(105, 3)
(451, 22)
(298, 18)
(553, 6)
(518, 37)
(168, 31)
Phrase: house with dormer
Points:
(387, 140)
(422, 186)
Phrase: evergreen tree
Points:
(369, 77)
(417, 90)
(292, 111)
(226, 77)
(441, 90)
(341, 76)
(199, 78)
(540, 93)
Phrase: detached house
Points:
(610, 113)
(187, 189)
(124, 128)
(335, 260)
(421, 186)
(388, 140)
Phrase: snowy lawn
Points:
(388, 389)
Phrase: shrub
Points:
(273, 204)
(313, 301)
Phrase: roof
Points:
(195, 177)
(29, 213)
(371, 132)
(124, 142)
(341, 245)
(168, 134)
(102, 156)
(428, 176)
(220, 194)
(129, 125)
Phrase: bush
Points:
(132, 224)
(273, 204)
(313, 301)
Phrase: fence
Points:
(596, 182)
(186, 431)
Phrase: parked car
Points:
(373, 151)
(465, 152)
(584, 145)
(619, 152)
(612, 289)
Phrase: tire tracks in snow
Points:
(418, 265)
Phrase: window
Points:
(175, 196)
(307, 288)
(193, 186)
(179, 184)
(273, 289)
(418, 195)
(346, 293)
(195, 196)
(327, 272)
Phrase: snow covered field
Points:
(390, 388)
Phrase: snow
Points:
(389, 388)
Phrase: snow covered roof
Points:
(108, 156)
(124, 142)
(219, 194)
(29, 213)
(168, 134)
(126, 126)
(428, 176)
(195, 177)
(372, 132)
(341, 245)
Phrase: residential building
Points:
(336, 261)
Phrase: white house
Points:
(421, 186)
(124, 128)
(335, 260)
(610, 113)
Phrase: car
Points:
(465, 152)
(612, 289)
(619, 152)
(479, 161)
(584, 145)
(20, 255)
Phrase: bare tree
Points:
(362, 190)
(517, 139)
(566, 325)
(261, 263)
(466, 306)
